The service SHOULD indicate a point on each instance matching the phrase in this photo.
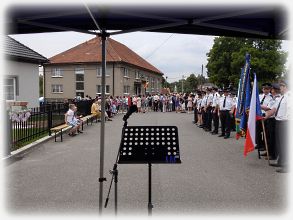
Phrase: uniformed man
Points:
(281, 109)
(215, 110)
(270, 123)
(265, 97)
(209, 109)
(226, 110)
(204, 107)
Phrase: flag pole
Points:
(265, 139)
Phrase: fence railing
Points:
(35, 123)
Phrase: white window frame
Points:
(125, 72)
(137, 74)
(99, 89)
(14, 89)
(57, 72)
(99, 72)
(58, 87)
(126, 90)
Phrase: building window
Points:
(79, 70)
(79, 86)
(99, 72)
(137, 76)
(125, 72)
(79, 81)
(57, 88)
(57, 72)
(126, 90)
(10, 89)
(99, 89)
(158, 85)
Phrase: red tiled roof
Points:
(90, 51)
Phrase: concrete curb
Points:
(21, 152)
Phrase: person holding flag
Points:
(254, 115)
(281, 110)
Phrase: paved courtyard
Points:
(214, 177)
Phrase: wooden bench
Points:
(57, 129)
(91, 118)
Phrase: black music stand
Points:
(149, 144)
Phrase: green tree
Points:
(227, 57)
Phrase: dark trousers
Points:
(204, 118)
(282, 142)
(209, 118)
(195, 115)
(259, 135)
(215, 120)
(270, 125)
(156, 105)
(225, 122)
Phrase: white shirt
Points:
(266, 100)
(284, 109)
(215, 99)
(70, 116)
(228, 104)
(204, 101)
(210, 99)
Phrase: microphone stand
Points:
(114, 173)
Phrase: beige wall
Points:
(91, 80)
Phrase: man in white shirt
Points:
(281, 109)
(226, 105)
(264, 99)
(215, 110)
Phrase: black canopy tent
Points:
(255, 21)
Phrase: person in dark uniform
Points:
(215, 110)
(209, 114)
(270, 123)
(226, 110)
(281, 110)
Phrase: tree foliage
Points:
(190, 84)
(227, 57)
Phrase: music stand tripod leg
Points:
(150, 205)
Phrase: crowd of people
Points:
(214, 111)
(213, 106)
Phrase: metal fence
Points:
(30, 125)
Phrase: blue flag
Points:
(244, 95)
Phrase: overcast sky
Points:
(174, 54)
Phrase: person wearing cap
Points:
(215, 110)
(281, 109)
(209, 115)
(203, 110)
(226, 105)
(270, 123)
(265, 97)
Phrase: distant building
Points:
(78, 71)
(21, 76)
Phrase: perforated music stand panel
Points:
(150, 144)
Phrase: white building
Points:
(21, 77)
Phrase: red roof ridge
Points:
(89, 52)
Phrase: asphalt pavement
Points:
(213, 178)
